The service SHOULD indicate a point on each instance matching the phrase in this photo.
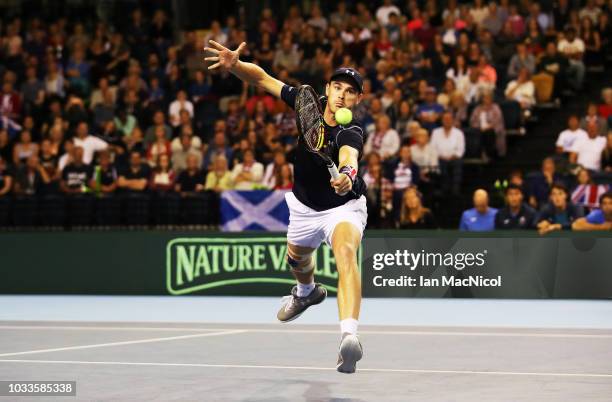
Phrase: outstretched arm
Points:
(247, 72)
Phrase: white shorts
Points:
(309, 228)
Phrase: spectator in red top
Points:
(10, 101)
(161, 146)
(162, 177)
(260, 95)
(284, 178)
(425, 33)
(605, 108)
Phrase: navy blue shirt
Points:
(311, 178)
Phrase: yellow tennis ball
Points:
(343, 116)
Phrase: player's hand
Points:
(342, 185)
(224, 57)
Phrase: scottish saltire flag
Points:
(254, 210)
(588, 194)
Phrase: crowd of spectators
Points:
(91, 109)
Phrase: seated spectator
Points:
(592, 42)
(569, 136)
(24, 148)
(248, 174)
(219, 178)
(403, 119)
(429, 112)
(605, 108)
(161, 146)
(541, 183)
(459, 71)
(489, 120)
(384, 141)
(599, 219)
(424, 154)
(379, 194)
(31, 178)
(104, 111)
(521, 60)
(76, 174)
(558, 214)
(487, 73)
(179, 156)
(181, 103)
(10, 101)
(159, 121)
(273, 169)
(218, 147)
(556, 65)
(104, 180)
(163, 176)
(125, 122)
(89, 143)
(592, 117)
(135, 178)
(6, 148)
(516, 214)
(521, 90)
(413, 214)
(573, 49)
(284, 178)
(191, 179)
(606, 161)
(403, 173)
(481, 218)
(472, 87)
(449, 144)
(588, 152)
(6, 178)
(586, 194)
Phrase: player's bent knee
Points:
(345, 253)
(301, 264)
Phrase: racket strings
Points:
(313, 131)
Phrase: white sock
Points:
(349, 325)
(304, 290)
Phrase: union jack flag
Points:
(588, 194)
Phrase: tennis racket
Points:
(311, 126)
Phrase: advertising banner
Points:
(392, 264)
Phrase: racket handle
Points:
(333, 171)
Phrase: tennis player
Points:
(320, 208)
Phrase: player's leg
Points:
(306, 293)
(345, 242)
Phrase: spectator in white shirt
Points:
(89, 143)
(449, 144)
(569, 136)
(181, 103)
(424, 154)
(522, 89)
(587, 152)
(248, 174)
(385, 141)
(572, 47)
(383, 12)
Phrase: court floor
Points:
(140, 361)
